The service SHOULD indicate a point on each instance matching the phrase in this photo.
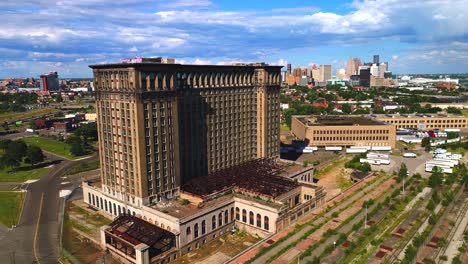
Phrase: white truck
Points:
(377, 155)
(333, 148)
(444, 169)
(356, 150)
(409, 155)
(442, 163)
(370, 161)
(382, 148)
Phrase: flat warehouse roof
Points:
(335, 120)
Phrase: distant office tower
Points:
(49, 82)
(374, 70)
(382, 70)
(288, 71)
(325, 72)
(316, 74)
(364, 76)
(376, 59)
(352, 67)
(297, 72)
(162, 124)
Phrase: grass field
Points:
(87, 166)
(10, 207)
(284, 128)
(59, 148)
(28, 114)
(7, 175)
(465, 112)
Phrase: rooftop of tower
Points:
(169, 61)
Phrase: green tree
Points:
(16, 150)
(4, 144)
(402, 172)
(436, 177)
(346, 108)
(87, 131)
(32, 125)
(7, 162)
(77, 149)
(426, 144)
(288, 113)
(34, 155)
(454, 110)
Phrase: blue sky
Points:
(417, 36)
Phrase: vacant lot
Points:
(219, 250)
(57, 147)
(334, 177)
(10, 207)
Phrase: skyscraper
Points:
(288, 69)
(352, 66)
(325, 72)
(49, 82)
(376, 59)
(162, 124)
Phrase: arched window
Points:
(102, 207)
(94, 202)
(244, 216)
(226, 217)
(266, 224)
(120, 210)
(232, 214)
(237, 213)
(188, 232)
(203, 227)
(251, 218)
(89, 198)
(259, 220)
(213, 222)
(220, 219)
(105, 204)
(195, 230)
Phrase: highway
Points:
(37, 237)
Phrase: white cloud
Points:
(395, 57)
(280, 62)
(69, 30)
(201, 62)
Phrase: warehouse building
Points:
(343, 131)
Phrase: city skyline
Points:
(42, 35)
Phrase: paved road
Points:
(36, 239)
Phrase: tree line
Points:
(16, 151)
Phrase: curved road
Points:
(37, 237)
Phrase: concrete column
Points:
(172, 82)
(102, 230)
(142, 254)
(156, 82)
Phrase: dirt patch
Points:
(220, 249)
(334, 177)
